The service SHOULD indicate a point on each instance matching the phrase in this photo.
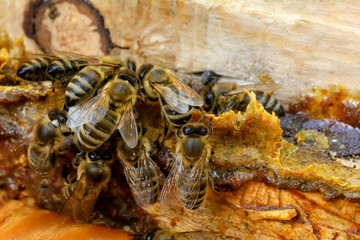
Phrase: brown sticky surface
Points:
(335, 103)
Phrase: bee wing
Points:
(172, 99)
(254, 87)
(141, 178)
(195, 174)
(43, 161)
(149, 162)
(169, 194)
(74, 56)
(93, 111)
(180, 92)
(82, 200)
(127, 126)
(30, 56)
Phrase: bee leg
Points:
(212, 181)
(77, 157)
(166, 127)
(53, 159)
(141, 99)
(202, 111)
(65, 108)
(166, 131)
(228, 107)
(210, 127)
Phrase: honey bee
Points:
(58, 67)
(95, 120)
(188, 177)
(85, 83)
(227, 98)
(142, 173)
(81, 194)
(176, 98)
(50, 138)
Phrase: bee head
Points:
(193, 129)
(209, 78)
(58, 114)
(45, 133)
(100, 155)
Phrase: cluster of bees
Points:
(99, 99)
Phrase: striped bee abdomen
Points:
(35, 70)
(84, 84)
(40, 160)
(270, 103)
(177, 119)
(147, 189)
(239, 103)
(64, 69)
(192, 193)
(89, 137)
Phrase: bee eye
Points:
(178, 133)
(188, 130)
(100, 155)
(144, 70)
(132, 66)
(94, 155)
(151, 235)
(202, 131)
(57, 114)
(209, 101)
(208, 77)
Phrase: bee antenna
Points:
(77, 157)
(113, 45)
(179, 134)
(210, 127)
(202, 115)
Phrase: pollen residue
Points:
(334, 103)
(249, 138)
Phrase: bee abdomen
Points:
(147, 190)
(64, 69)
(37, 162)
(82, 85)
(193, 199)
(34, 70)
(90, 137)
(177, 119)
(270, 103)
